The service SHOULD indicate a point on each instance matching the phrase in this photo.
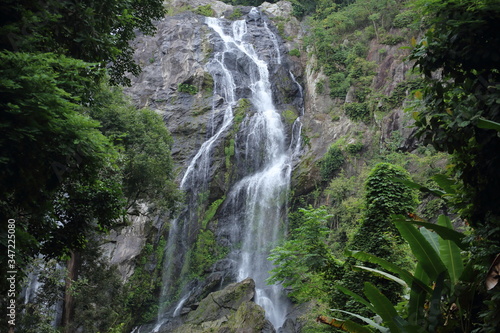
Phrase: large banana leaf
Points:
(418, 297)
(345, 325)
(422, 250)
(443, 232)
(450, 253)
(383, 274)
(431, 237)
(366, 320)
(434, 314)
(391, 267)
(383, 307)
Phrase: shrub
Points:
(357, 111)
(354, 148)
(205, 10)
(331, 162)
(187, 88)
(404, 19)
(294, 52)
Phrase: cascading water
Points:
(255, 206)
(259, 199)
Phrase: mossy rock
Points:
(223, 303)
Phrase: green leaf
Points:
(423, 251)
(383, 306)
(366, 320)
(434, 314)
(443, 232)
(383, 274)
(437, 192)
(431, 237)
(450, 253)
(418, 297)
(356, 297)
(488, 124)
(391, 267)
(445, 183)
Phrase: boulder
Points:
(230, 310)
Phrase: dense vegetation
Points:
(455, 106)
(76, 157)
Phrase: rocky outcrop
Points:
(122, 245)
(230, 310)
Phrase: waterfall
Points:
(255, 205)
(259, 199)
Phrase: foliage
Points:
(145, 143)
(143, 287)
(441, 289)
(187, 88)
(290, 116)
(236, 14)
(340, 33)
(376, 235)
(84, 30)
(294, 53)
(205, 10)
(355, 148)
(304, 262)
(357, 111)
(331, 162)
(43, 127)
(460, 113)
(98, 294)
(405, 18)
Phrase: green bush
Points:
(331, 163)
(404, 19)
(187, 88)
(392, 40)
(205, 10)
(294, 52)
(354, 148)
(357, 111)
(236, 14)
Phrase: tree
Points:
(385, 196)
(461, 115)
(91, 31)
(48, 147)
(145, 146)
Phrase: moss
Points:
(210, 213)
(207, 83)
(229, 152)
(290, 116)
(241, 109)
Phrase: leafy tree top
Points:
(93, 31)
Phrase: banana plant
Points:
(438, 291)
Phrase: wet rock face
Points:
(174, 81)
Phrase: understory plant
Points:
(442, 294)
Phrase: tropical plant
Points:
(304, 262)
(439, 291)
